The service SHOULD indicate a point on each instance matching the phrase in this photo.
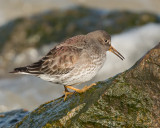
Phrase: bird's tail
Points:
(33, 69)
(20, 70)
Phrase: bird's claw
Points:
(66, 94)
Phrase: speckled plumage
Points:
(74, 61)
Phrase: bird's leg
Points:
(66, 92)
(65, 89)
(85, 88)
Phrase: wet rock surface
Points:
(55, 26)
(8, 119)
(130, 99)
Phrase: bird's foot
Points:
(85, 88)
(66, 93)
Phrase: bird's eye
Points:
(105, 40)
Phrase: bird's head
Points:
(104, 39)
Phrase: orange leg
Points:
(85, 88)
(66, 93)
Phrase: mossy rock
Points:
(130, 99)
(55, 26)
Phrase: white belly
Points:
(84, 73)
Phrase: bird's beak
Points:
(116, 52)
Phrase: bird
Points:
(73, 61)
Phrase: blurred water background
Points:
(30, 28)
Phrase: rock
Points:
(10, 118)
(57, 25)
(54, 26)
(130, 99)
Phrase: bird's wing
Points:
(60, 60)
(76, 41)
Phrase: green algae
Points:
(124, 105)
(120, 105)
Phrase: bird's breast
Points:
(85, 70)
